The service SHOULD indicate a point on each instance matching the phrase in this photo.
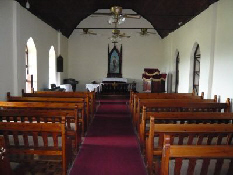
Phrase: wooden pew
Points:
(79, 107)
(180, 118)
(36, 130)
(193, 153)
(91, 96)
(172, 105)
(48, 99)
(46, 116)
(131, 100)
(135, 96)
(201, 134)
(144, 96)
(5, 167)
(84, 95)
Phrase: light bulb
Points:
(27, 5)
(121, 19)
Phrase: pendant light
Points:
(27, 5)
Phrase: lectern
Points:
(153, 81)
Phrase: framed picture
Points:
(115, 62)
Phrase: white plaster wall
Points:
(223, 62)
(212, 30)
(44, 37)
(17, 26)
(88, 54)
(6, 47)
(199, 30)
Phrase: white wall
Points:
(212, 30)
(17, 26)
(88, 54)
(6, 47)
(223, 55)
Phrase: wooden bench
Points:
(5, 167)
(91, 97)
(136, 96)
(183, 134)
(46, 116)
(79, 107)
(41, 133)
(173, 105)
(179, 118)
(63, 95)
(157, 96)
(49, 99)
(194, 153)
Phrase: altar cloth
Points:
(115, 79)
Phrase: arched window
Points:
(52, 66)
(196, 70)
(177, 72)
(31, 65)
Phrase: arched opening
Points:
(196, 70)
(31, 66)
(52, 66)
(177, 72)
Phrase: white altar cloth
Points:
(92, 87)
(68, 87)
(115, 79)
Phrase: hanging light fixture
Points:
(116, 16)
(27, 5)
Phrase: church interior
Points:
(103, 80)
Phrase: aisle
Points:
(111, 146)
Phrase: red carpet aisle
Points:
(110, 147)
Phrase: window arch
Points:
(31, 65)
(177, 72)
(52, 66)
(196, 70)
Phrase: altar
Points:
(114, 85)
(124, 80)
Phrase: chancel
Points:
(116, 87)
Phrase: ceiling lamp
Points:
(115, 37)
(116, 16)
(27, 5)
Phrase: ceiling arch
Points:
(164, 15)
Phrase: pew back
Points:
(178, 105)
(21, 142)
(194, 153)
(180, 118)
(79, 107)
(136, 96)
(90, 95)
(46, 116)
(184, 134)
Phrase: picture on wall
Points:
(115, 62)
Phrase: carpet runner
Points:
(110, 146)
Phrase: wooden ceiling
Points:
(164, 15)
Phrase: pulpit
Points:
(153, 81)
